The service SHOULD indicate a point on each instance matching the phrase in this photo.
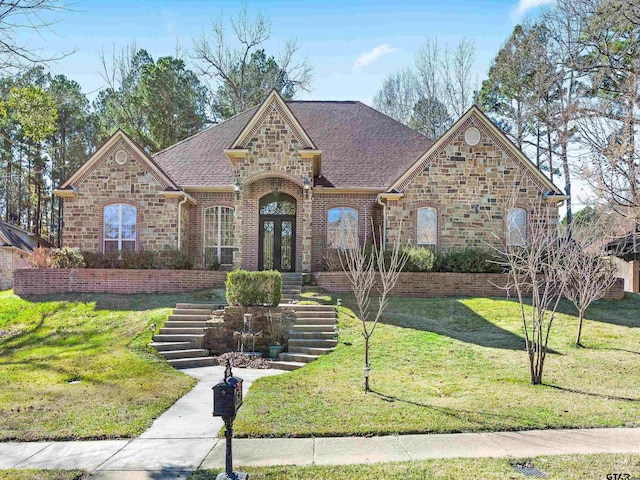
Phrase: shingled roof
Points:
(361, 147)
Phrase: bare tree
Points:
(369, 275)
(590, 275)
(398, 96)
(535, 262)
(18, 17)
(457, 66)
(244, 74)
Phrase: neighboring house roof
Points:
(12, 236)
(361, 147)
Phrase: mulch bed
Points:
(240, 360)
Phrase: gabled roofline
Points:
(401, 183)
(273, 96)
(93, 159)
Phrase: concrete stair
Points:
(180, 339)
(291, 287)
(313, 333)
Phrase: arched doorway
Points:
(277, 238)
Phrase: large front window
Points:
(218, 235)
(119, 227)
(342, 227)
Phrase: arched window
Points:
(342, 227)
(516, 227)
(218, 235)
(119, 227)
(427, 228)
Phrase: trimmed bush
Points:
(469, 260)
(254, 288)
(142, 260)
(419, 259)
(66, 258)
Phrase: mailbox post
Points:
(227, 399)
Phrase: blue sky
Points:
(385, 35)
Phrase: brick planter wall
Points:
(90, 280)
(434, 284)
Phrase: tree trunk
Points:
(366, 364)
(580, 318)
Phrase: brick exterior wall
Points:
(133, 183)
(635, 276)
(469, 187)
(10, 260)
(196, 220)
(273, 152)
(88, 280)
(435, 284)
(368, 210)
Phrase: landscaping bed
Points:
(78, 366)
(456, 365)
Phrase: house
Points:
(15, 246)
(272, 187)
(625, 254)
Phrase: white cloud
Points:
(372, 55)
(525, 5)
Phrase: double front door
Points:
(277, 236)
(277, 243)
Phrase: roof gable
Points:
(273, 102)
(140, 154)
(476, 118)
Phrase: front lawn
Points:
(456, 365)
(78, 366)
(567, 467)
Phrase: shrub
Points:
(419, 259)
(144, 259)
(469, 260)
(254, 288)
(40, 258)
(174, 259)
(66, 258)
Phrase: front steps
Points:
(314, 333)
(180, 339)
(291, 287)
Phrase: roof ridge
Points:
(202, 131)
(323, 101)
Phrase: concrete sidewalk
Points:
(184, 439)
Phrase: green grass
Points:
(34, 474)
(98, 342)
(456, 365)
(567, 467)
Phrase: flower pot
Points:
(275, 350)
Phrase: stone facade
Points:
(273, 162)
(470, 187)
(467, 185)
(133, 183)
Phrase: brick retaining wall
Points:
(89, 280)
(94, 280)
(434, 284)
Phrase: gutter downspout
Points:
(384, 222)
(182, 202)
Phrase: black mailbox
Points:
(227, 397)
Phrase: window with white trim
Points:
(427, 227)
(342, 227)
(218, 235)
(517, 227)
(119, 227)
